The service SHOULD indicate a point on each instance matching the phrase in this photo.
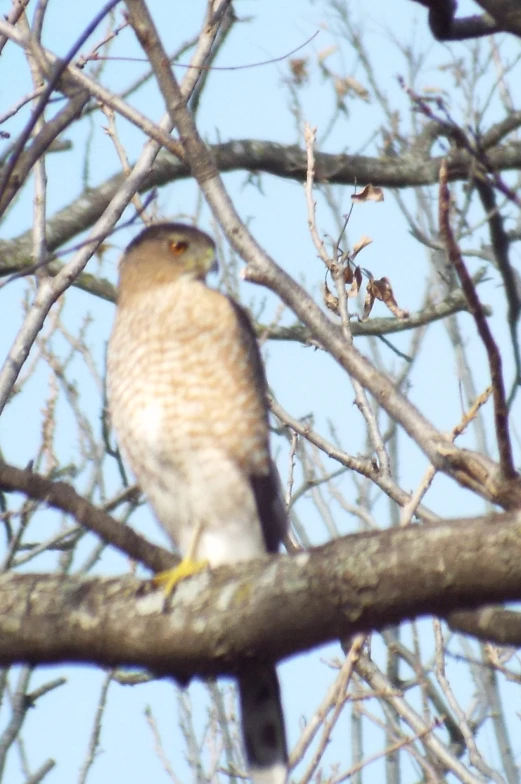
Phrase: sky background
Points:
(250, 104)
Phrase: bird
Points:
(187, 396)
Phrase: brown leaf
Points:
(361, 244)
(368, 303)
(340, 86)
(356, 282)
(351, 276)
(348, 274)
(299, 71)
(345, 85)
(382, 290)
(369, 193)
(354, 86)
(330, 300)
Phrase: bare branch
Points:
(494, 357)
(354, 584)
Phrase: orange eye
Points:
(178, 248)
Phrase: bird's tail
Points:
(263, 724)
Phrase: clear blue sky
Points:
(251, 103)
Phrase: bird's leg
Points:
(189, 566)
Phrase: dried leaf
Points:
(348, 273)
(346, 85)
(325, 53)
(368, 303)
(382, 290)
(340, 86)
(299, 71)
(360, 245)
(330, 300)
(369, 193)
(354, 86)
(351, 276)
(356, 282)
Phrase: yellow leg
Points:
(188, 567)
(169, 579)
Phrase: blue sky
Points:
(252, 104)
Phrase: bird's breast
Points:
(180, 380)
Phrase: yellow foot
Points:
(169, 579)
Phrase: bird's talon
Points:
(169, 579)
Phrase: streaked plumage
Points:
(187, 395)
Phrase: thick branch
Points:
(506, 13)
(259, 156)
(217, 619)
(501, 17)
(490, 622)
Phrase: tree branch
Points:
(470, 469)
(62, 496)
(219, 618)
(259, 156)
(483, 329)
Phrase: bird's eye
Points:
(178, 248)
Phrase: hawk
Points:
(187, 396)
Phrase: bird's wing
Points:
(266, 488)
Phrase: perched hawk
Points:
(187, 396)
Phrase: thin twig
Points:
(410, 507)
(96, 730)
(494, 357)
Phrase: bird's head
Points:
(165, 252)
